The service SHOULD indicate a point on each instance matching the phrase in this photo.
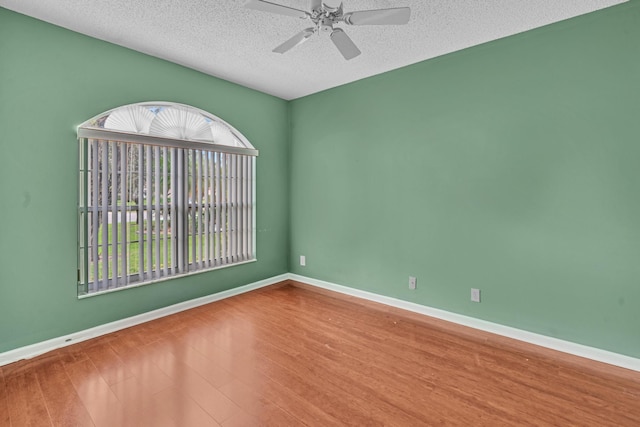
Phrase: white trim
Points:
(160, 141)
(141, 125)
(36, 349)
(592, 353)
(164, 279)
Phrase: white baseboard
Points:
(507, 331)
(36, 349)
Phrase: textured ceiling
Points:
(224, 39)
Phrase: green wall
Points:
(513, 167)
(52, 80)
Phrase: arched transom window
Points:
(165, 190)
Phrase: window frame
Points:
(89, 133)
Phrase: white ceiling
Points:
(224, 39)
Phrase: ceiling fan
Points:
(325, 14)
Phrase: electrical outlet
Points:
(412, 282)
(475, 295)
(303, 260)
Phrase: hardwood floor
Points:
(289, 355)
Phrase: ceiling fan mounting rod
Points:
(331, 9)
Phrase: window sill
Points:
(163, 279)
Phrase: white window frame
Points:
(193, 200)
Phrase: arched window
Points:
(165, 190)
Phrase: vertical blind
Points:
(150, 210)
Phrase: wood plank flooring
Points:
(290, 355)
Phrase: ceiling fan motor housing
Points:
(326, 25)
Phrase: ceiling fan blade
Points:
(294, 41)
(332, 5)
(345, 45)
(265, 6)
(395, 16)
(316, 4)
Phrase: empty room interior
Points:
(296, 212)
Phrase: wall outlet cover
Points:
(475, 295)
